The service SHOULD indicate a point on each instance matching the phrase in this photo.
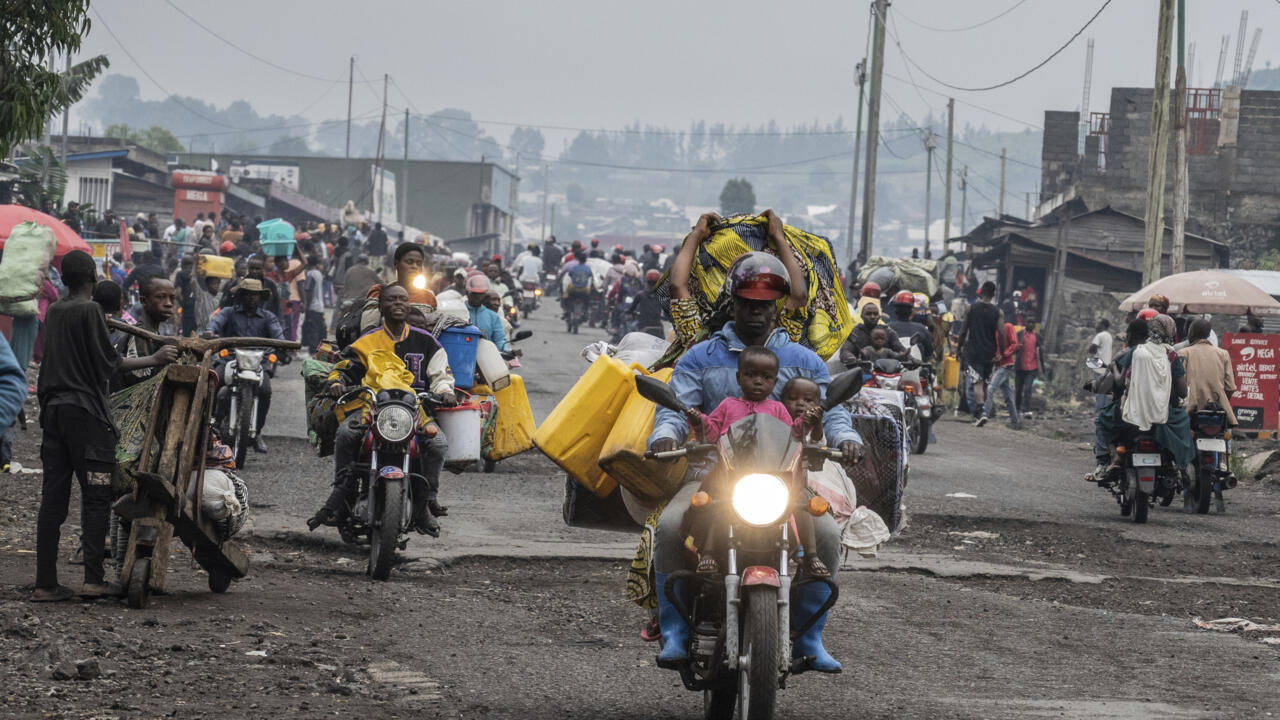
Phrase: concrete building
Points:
(452, 200)
(1233, 163)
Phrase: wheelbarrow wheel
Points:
(219, 582)
(139, 590)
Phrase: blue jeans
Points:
(1002, 381)
(1100, 449)
(23, 339)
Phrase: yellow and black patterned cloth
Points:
(824, 322)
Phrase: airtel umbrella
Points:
(1206, 291)
(14, 215)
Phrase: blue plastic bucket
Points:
(460, 345)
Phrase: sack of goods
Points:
(224, 501)
(895, 274)
(27, 252)
(824, 322)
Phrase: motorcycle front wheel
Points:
(758, 666)
(922, 437)
(244, 425)
(720, 702)
(382, 539)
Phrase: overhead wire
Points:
(151, 77)
(247, 52)
(988, 21)
(898, 41)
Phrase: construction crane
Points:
(1222, 61)
(1244, 27)
(1248, 63)
(1084, 101)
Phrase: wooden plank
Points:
(168, 464)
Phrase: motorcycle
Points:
(575, 310)
(1213, 451)
(1145, 472)
(530, 296)
(242, 373)
(740, 619)
(901, 387)
(383, 510)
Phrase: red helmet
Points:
(652, 276)
(904, 297)
(496, 258)
(1148, 313)
(871, 290)
(758, 276)
(595, 242)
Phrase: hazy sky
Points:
(606, 64)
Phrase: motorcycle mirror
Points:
(842, 387)
(658, 392)
(521, 335)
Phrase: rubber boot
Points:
(808, 599)
(675, 631)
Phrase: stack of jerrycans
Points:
(597, 433)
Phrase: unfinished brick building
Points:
(1233, 163)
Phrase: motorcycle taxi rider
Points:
(705, 376)
(247, 318)
(426, 360)
(903, 307)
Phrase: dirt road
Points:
(1031, 598)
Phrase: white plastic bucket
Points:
(462, 426)
(494, 370)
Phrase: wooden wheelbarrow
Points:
(172, 460)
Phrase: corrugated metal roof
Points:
(1266, 280)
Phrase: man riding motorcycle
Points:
(426, 360)
(902, 307)
(860, 337)
(705, 376)
(489, 322)
(247, 318)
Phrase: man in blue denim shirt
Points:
(489, 322)
(707, 374)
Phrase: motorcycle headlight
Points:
(249, 360)
(760, 499)
(537, 292)
(395, 423)
(889, 383)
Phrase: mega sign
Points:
(1255, 358)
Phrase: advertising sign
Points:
(1255, 359)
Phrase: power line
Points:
(919, 129)
(991, 19)
(996, 113)
(1015, 79)
(257, 57)
(150, 77)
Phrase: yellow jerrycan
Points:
(622, 456)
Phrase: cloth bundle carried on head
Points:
(824, 322)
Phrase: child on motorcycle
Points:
(879, 349)
(757, 376)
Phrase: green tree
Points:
(153, 138)
(42, 179)
(737, 198)
(31, 33)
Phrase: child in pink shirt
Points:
(757, 376)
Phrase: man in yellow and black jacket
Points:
(427, 362)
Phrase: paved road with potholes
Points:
(1017, 590)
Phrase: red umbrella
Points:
(68, 240)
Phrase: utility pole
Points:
(964, 195)
(1000, 200)
(545, 170)
(404, 172)
(1158, 151)
(66, 118)
(553, 218)
(382, 131)
(1028, 217)
(861, 72)
(351, 84)
(1177, 254)
(930, 142)
(880, 10)
(1054, 311)
(951, 135)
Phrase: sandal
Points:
(60, 593)
(651, 632)
(815, 567)
(708, 566)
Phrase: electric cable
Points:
(988, 21)
(1012, 80)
